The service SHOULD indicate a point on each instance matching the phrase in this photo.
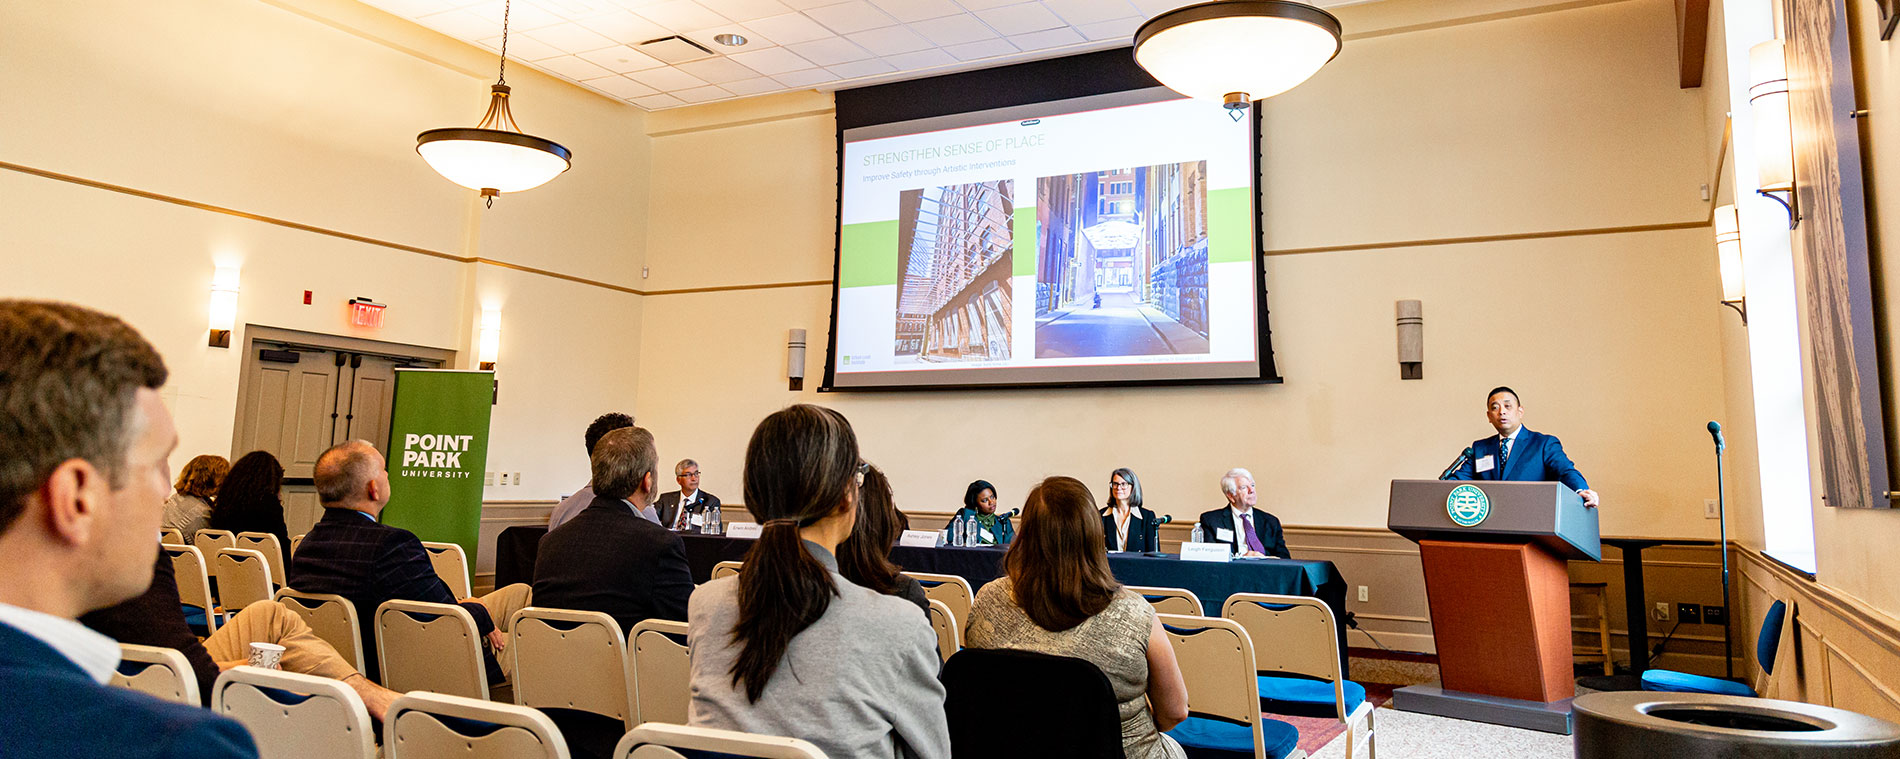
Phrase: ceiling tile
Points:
(620, 59)
(679, 15)
(856, 69)
(953, 30)
(656, 102)
(1152, 8)
(573, 68)
(889, 40)
(918, 10)
(977, 5)
(522, 16)
(573, 9)
(854, 16)
(1020, 19)
(410, 8)
(774, 60)
(522, 47)
(746, 10)
(972, 51)
(1047, 38)
(571, 38)
(701, 94)
(920, 60)
(1080, 12)
(790, 28)
(806, 78)
(1102, 30)
(753, 86)
(830, 51)
(624, 27)
(718, 70)
(463, 25)
(754, 40)
(667, 79)
(619, 86)
(804, 5)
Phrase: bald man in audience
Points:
(84, 447)
(351, 554)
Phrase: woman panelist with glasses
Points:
(1125, 524)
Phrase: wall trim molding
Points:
(1509, 237)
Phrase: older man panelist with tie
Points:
(1253, 533)
(1516, 453)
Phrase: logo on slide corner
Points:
(1467, 505)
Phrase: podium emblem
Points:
(1467, 505)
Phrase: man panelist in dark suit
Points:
(1516, 453)
(85, 441)
(677, 509)
(1258, 533)
(609, 559)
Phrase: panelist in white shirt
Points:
(685, 508)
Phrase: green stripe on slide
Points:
(867, 254)
(1023, 229)
(1228, 226)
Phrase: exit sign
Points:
(366, 313)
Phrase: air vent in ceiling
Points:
(674, 49)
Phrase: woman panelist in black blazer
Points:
(1125, 524)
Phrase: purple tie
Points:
(1253, 541)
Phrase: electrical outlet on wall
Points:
(1662, 611)
(1714, 614)
(1364, 594)
(517, 478)
(489, 479)
(1710, 510)
(1690, 614)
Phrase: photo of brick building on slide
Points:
(953, 263)
(1121, 262)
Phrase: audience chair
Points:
(331, 617)
(291, 715)
(1076, 712)
(1170, 600)
(171, 537)
(726, 569)
(243, 578)
(194, 585)
(952, 590)
(1299, 673)
(295, 540)
(572, 665)
(1599, 618)
(1217, 662)
(436, 726)
(266, 543)
(658, 671)
(159, 672)
(430, 647)
(945, 625)
(209, 541)
(451, 564)
(658, 741)
(1767, 645)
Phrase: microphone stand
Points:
(1721, 513)
(1154, 539)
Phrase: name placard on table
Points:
(748, 530)
(1220, 552)
(918, 539)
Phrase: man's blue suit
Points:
(1535, 457)
(52, 709)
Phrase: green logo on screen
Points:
(1467, 505)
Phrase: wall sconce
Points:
(1774, 132)
(224, 293)
(1728, 252)
(795, 359)
(490, 346)
(1411, 318)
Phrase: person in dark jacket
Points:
(608, 558)
(1126, 524)
(979, 500)
(250, 499)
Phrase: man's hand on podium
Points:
(1589, 498)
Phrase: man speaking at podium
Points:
(1516, 453)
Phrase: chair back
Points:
(1768, 643)
(945, 625)
(295, 540)
(726, 569)
(451, 564)
(1068, 692)
(332, 618)
(1305, 639)
(243, 578)
(209, 541)
(430, 647)
(266, 543)
(163, 673)
(171, 536)
(291, 715)
(194, 583)
(438, 726)
(1170, 600)
(658, 671)
(952, 590)
(655, 740)
(1217, 665)
(567, 659)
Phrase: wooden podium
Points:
(1495, 555)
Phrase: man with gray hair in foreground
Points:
(351, 554)
(1251, 532)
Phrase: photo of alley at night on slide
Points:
(954, 262)
(1121, 265)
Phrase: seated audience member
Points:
(609, 559)
(1259, 532)
(865, 557)
(85, 440)
(154, 619)
(189, 508)
(1126, 524)
(351, 554)
(251, 499)
(581, 499)
(1058, 597)
(789, 646)
(685, 508)
(979, 500)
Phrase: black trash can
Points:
(1704, 726)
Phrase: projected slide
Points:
(1100, 240)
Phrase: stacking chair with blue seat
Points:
(952, 590)
(265, 543)
(160, 672)
(209, 541)
(659, 671)
(1217, 663)
(1767, 645)
(944, 624)
(332, 618)
(436, 726)
(1299, 673)
(194, 588)
(1076, 713)
(572, 665)
(171, 536)
(726, 569)
(430, 647)
(1170, 600)
(451, 564)
(292, 715)
(243, 578)
(662, 741)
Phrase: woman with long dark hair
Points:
(979, 500)
(250, 499)
(865, 557)
(789, 646)
(1058, 597)
(1126, 523)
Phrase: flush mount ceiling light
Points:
(494, 156)
(1237, 51)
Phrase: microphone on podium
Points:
(1715, 430)
(1455, 465)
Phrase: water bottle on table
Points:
(714, 525)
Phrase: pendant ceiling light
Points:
(1237, 51)
(494, 156)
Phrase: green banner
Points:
(438, 454)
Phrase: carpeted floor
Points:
(1419, 736)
